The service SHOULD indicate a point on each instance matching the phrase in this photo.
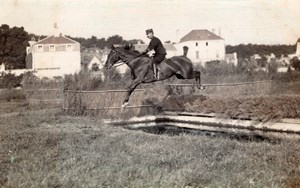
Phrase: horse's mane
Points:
(129, 52)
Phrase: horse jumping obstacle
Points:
(107, 101)
(285, 128)
(53, 96)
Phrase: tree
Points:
(101, 43)
(295, 63)
(13, 43)
(116, 39)
(262, 62)
(246, 51)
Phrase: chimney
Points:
(56, 30)
(185, 50)
(214, 31)
(220, 32)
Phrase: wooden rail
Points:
(101, 91)
(112, 107)
(221, 84)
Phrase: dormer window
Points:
(69, 47)
(52, 48)
(40, 48)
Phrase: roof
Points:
(169, 47)
(56, 40)
(142, 47)
(203, 34)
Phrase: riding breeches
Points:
(158, 58)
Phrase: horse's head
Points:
(112, 58)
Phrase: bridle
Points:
(121, 61)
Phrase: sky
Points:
(237, 21)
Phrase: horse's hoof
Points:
(202, 87)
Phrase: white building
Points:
(231, 58)
(298, 48)
(54, 56)
(203, 46)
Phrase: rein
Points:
(119, 63)
(122, 62)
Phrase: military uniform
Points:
(160, 52)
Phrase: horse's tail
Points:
(185, 50)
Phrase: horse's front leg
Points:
(130, 89)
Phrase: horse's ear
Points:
(112, 47)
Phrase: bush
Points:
(82, 81)
(295, 63)
(30, 81)
(8, 95)
(10, 80)
(219, 68)
(273, 66)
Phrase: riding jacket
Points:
(156, 45)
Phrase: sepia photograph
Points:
(150, 93)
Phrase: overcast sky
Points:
(239, 21)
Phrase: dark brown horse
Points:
(142, 71)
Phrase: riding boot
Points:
(155, 70)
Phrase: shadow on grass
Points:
(171, 130)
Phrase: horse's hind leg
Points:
(197, 76)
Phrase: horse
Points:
(142, 71)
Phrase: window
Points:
(51, 47)
(197, 54)
(69, 47)
(196, 43)
(40, 48)
(206, 43)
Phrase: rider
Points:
(156, 45)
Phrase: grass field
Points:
(45, 149)
(42, 147)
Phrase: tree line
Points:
(247, 50)
(102, 43)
